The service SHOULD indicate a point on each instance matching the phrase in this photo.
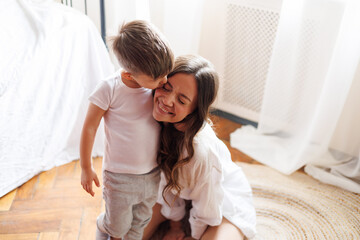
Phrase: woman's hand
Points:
(175, 232)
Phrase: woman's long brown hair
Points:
(174, 143)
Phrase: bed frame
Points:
(82, 5)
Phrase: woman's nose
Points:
(168, 100)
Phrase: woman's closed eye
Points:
(182, 98)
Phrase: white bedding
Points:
(51, 58)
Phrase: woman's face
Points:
(176, 99)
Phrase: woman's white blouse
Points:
(216, 186)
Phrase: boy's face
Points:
(148, 82)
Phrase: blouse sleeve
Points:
(174, 209)
(207, 197)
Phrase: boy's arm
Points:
(91, 124)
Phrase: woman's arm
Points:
(207, 197)
(162, 211)
(156, 219)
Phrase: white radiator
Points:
(243, 35)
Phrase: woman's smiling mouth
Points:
(163, 108)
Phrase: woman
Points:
(196, 165)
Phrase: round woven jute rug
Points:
(298, 206)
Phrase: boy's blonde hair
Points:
(141, 49)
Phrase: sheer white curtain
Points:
(310, 114)
(51, 59)
(179, 21)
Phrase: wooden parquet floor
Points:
(53, 205)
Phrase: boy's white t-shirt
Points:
(131, 132)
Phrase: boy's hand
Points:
(87, 177)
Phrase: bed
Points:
(52, 57)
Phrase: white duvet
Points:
(51, 58)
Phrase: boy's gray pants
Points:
(129, 199)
